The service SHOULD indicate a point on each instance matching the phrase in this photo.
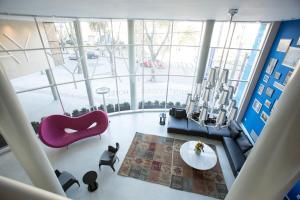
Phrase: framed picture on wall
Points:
(260, 89)
(274, 105)
(256, 106)
(264, 117)
(269, 92)
(287, 78)
(291, 57)
(271, 66)
(266, 78)
(284, 45)
(268, 103)
(277, 75)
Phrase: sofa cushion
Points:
(196, 129)
(243, 142)
(216, 133)
(177, 125)
(235, 129)
(234, 154)
(180, 113)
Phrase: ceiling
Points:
(249, 10)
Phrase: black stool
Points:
(90, 179)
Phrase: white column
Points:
(20, 136)
(83, 62)
(273, 166)
(205, 50)
(11, 189)
(131, 60)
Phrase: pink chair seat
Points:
(53, 130)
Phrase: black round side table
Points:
(89, 178)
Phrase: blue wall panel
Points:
(251, 119)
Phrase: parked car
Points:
(72, 56)
(92, 55)
(150, 64)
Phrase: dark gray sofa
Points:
(236, 143)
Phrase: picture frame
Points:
(260, 89)
(264, 117)
(274, 105)
(277, 75)
(287, 78)
(269, 92)
(271, 66)
(283, 45)
(256, 106)
(268, 103)
(291, 57)
(266, 78)
(279, 86)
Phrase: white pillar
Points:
(273, 166)
(19, 134)
(83, 62)
(11, 189)
(131, 60)
(205, 50)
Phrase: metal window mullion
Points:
(115, 65)
(48, 62)
(143, 69)
(168, 79)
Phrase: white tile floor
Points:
(83, 156)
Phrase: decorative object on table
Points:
(66, 179)
(269, 91)
(277, 75)
(283, 45)
(89, 178)
(162, 118)
(266, 78)
(260, 89)
(292, 57)
(279, 86)
(109, 156)
(271, 66)
(157, 160)
(199, 147)
(256, 106)
(102, 91)
(287, 77)
(264, 117)
(53, 129)
(268, 103)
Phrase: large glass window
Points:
(56, 64)
(239, 54)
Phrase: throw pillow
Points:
(180, 113)
(235, 129)
(243, 143)
(172, 111)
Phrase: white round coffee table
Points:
(204, 161)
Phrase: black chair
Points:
(109, 156)
(66, 179)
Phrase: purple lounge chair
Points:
(53, 130)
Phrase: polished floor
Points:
(84, 155)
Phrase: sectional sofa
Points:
(236, 144)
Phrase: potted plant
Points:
(199, 147)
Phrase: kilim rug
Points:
(157, 159)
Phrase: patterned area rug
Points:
(157, 159)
